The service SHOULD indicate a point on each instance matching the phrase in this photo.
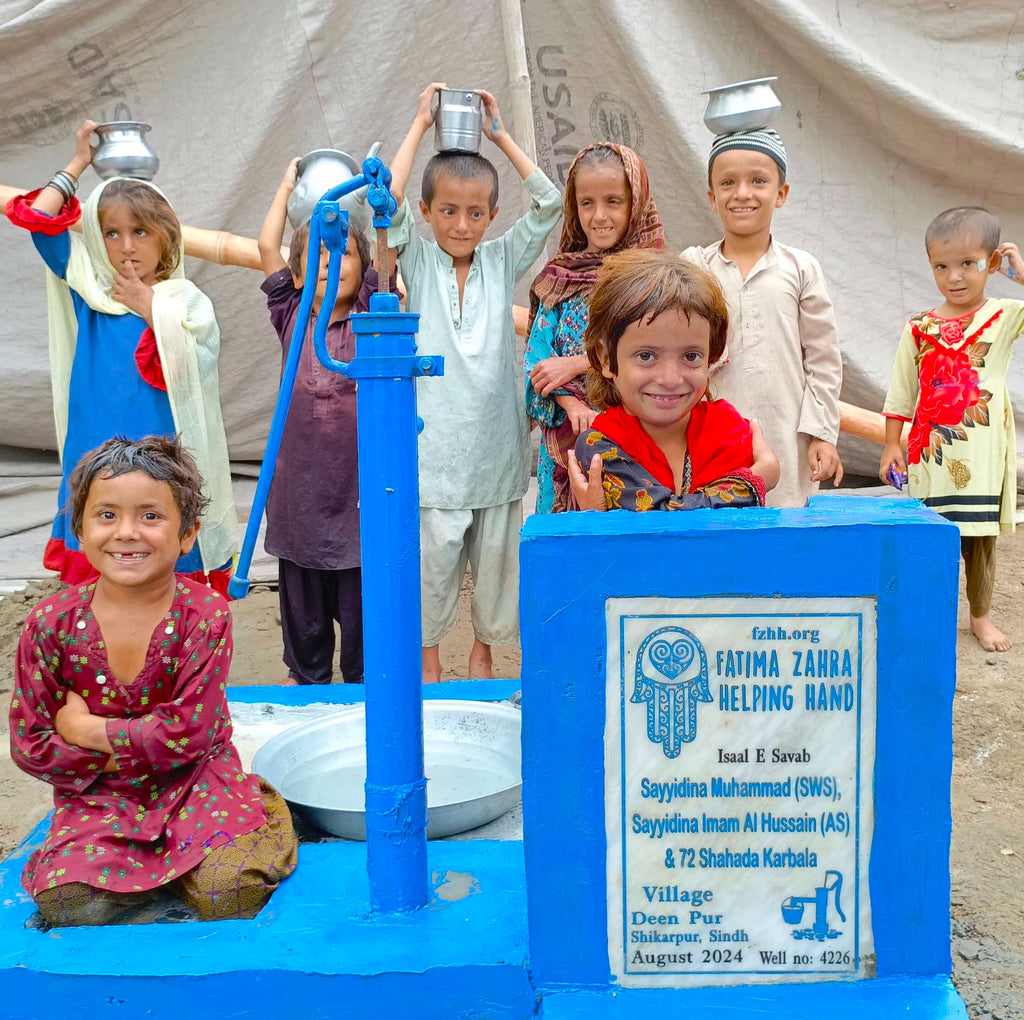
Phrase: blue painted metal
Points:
(396, 795)
(387, 425)
(895, 550)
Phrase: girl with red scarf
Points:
(657, 325)
(608, 208)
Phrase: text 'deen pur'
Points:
(739, 759)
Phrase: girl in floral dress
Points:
(608, 208)
(949, 381)
(119, 704)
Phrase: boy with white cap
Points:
(782, 364)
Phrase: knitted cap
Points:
(760, 140)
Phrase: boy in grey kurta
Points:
(782, 364)
(474, 448)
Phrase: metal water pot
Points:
(458, 120)
(319, 171)
(123, 151)
(744, 106)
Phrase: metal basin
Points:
(744, 106)
(472, 760)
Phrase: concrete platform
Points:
(314, 953)
(879, 999)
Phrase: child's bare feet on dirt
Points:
(480, 665)
(992, 639)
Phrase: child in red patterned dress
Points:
(120, 705)
(657, 325)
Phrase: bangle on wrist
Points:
(63, 182)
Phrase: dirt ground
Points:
(987, 859)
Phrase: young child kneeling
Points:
(119, 703)
(657, 325)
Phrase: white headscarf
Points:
(188, 340)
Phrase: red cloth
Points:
(719, 441)
(74, 568)
(20, 212)
(147, 360)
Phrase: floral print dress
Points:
(949, 381)
(179, 791)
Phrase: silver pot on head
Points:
(123, 151)
(743, 106)
(319, 171)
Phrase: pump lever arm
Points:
(837, 886)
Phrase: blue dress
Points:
(107, 397)
(556, 332)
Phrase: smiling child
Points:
(474, 450)
(949, 380)
(782, 365)
(608, 207)
(119, 704)
(657, 325)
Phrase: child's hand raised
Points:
(824, 461)
(492, 125)
(588, 489)
(133, 293)
(291, 175)
(425, 107)
(1015, 264)
(83, 150)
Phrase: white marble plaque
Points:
(739, 759)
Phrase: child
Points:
(783, 364)
(657, 325)
(474, 450)
(950, 381)
(133, 346)
(313, 508)
(608, 207)
(119, 704)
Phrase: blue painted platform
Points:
(880, 999)
(314, 953)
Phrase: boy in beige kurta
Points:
(782, 364)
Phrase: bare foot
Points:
(480, 665)
(288, 681)
(992, 639)
(431, 665)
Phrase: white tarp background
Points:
(893, 111)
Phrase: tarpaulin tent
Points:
(893, 110)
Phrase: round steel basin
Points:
(472, 761)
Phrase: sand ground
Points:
(987, 859)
